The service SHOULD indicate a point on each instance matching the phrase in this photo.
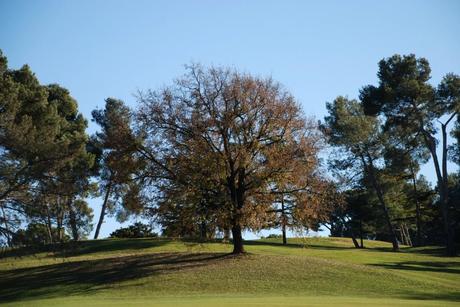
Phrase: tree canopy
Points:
(220, 152)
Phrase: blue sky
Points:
(317, 49)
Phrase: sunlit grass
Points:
(314, 270)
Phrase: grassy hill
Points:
(313, 271)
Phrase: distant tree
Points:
(403, 160)
(35, 234)
(249, 129)
(79, 219)
(414, 107)
(69, 183)
(115, 146)
(360, 144)
(356, 218)
(305, 205)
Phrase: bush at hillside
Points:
(137, 230)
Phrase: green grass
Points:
(161, 272)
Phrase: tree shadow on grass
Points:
(68, 249)
(109, 245)
(444, 296)
(424, 266)
(321, 246)
(429, 250)
(297, 245)
(83, 277)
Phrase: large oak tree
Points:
(248, 131)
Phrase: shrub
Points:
(137, 230)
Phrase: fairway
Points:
(163, 272)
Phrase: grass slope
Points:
(313, 271)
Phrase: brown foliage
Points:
(227, 141)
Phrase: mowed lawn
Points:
(163, 272)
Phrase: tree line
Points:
(221, 152)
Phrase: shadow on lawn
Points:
(427, 250)
(82, 277)
(445, 296)
(296, 245)
(109, 245)
(68, 249)
(424, 266)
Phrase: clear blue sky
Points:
(317, 49)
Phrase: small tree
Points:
(115, 146)
(308, 205)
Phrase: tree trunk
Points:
(355, 242)
(284, 235)
(442, 186)
(238, 247)
(450, 241)
(361, 232)
(237, 189)
(73, 222)
(352, 234)
(394, 239)
(283, 220)
(7, 229)
(370, 167)
(60, 220)
(103, 209)
(417, 208)
(237, 236)
(49, 225)
(203, 231)
(409, 240)
(353, 238)
(401, 235)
